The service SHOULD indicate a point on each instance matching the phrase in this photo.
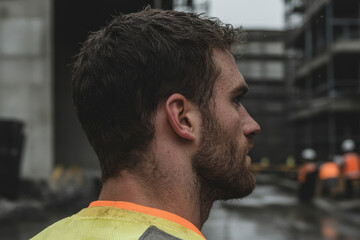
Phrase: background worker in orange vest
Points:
(329, 176)
(307, 176)
(350, 166)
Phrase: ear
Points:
(181, 115)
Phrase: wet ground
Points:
(270, 213)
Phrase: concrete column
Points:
(331, 78)
(308, 42)
(329, 42)
(309, 132)
(26, 79)
(329, 33)
(332, 134)
(308, 88)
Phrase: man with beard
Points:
(158, 95)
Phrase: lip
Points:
(248, 160)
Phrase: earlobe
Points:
(179, 115)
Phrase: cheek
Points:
(234, 124)
(229, 117)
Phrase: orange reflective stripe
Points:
(329, 170)
(149, 211)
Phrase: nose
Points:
(251, 127)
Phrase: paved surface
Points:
(271, 213)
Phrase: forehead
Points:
(229, 77)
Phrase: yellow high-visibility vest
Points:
(121, 220)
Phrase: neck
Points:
(177, 193)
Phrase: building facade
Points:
(198, 6)
(26, 79)
(38, 39)
(323, 72)
(262, 63)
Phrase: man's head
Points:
(125, 70)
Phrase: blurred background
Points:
(301, 61)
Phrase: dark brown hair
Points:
(138, 60)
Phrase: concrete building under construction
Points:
(323, 50)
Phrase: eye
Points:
(237, 100)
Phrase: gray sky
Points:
(265, 14)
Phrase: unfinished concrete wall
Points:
(26, 79)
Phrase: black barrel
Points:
(11, 146)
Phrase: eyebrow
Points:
(240, 90)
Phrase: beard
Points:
(220, 163)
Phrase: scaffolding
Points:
(323, 72)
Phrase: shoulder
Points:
(53, 230)
(114, 223)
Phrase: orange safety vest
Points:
(329, 170)
(304, 170)
(351, 168)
